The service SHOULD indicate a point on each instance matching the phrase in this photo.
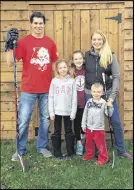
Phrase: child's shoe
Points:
(79, 150)
(84, 158)
(87, 158)
(68, 157)
(98, 163)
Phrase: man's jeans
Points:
(26, 106)
(117, 128)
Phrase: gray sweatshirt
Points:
(63, 97)
(116, 78)
(94, 114)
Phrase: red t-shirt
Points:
(37, 55)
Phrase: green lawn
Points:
(50, 173)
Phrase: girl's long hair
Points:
(105, 52)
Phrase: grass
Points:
(50, 173)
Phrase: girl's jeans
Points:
(117, 128)
(26, 106)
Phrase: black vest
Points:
(94, 71)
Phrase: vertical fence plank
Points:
(49, 26)
(113, 32)
(76, 30)
(58, 34)
(104, 22)
(67, 34)
(94, 21)
(85, 30)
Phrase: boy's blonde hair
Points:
(105, 52)
(97, 85)
(57, 64)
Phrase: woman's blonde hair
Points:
(105, 52)
(57, 64)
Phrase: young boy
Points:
(93, 124)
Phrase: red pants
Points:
(97, 137)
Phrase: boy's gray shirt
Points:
(94, 114)
(63, 97)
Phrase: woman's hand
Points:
(109, 102)
(52, 118)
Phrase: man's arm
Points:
(54, 59)
(54, 69)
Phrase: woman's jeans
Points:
(117, 128)
(26, 106)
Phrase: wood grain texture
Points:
(70, 25)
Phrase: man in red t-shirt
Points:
(37, 53)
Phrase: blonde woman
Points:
(100, 59)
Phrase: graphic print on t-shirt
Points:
(40, 57)
(63, 89)
(80, 81)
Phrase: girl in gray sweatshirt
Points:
(62, 104)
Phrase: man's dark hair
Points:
(38, 15)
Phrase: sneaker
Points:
(86, 158)
(15, 157)
(46, 153)
(98, 163)
(79, 150)
(68, 158)
(60, 158)
(127, 155)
